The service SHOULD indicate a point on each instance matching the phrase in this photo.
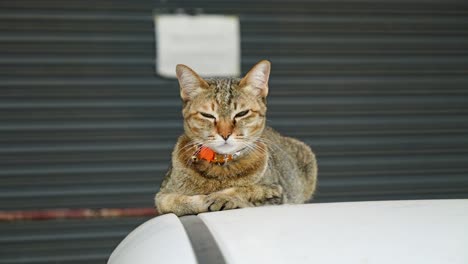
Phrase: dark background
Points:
(379, 89)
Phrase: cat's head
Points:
(224, 114)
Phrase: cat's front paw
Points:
(275, 191)
(219, 202)
(273, 195)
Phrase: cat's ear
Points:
(256, 80)
(190, 83)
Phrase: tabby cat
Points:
(227, 158)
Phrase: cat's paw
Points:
(273, 195)
(219, 202)
(275, 191)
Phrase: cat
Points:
(228, 158)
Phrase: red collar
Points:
(209, 155)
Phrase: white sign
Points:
(209, 44)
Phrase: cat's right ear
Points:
(190, 83)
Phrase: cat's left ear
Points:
(256, 80)
(190, 82)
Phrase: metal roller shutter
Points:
(379, 90)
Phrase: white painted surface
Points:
(209, 44)
(159, 240)
(426, 232)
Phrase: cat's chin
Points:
(225, 149)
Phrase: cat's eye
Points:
(207, 115)
(241, 114)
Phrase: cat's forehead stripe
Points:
(224, 92)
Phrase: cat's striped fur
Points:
(228, 115)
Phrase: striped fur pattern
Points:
(228, 115)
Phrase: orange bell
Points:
(206, 154)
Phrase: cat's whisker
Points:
(248, 147)
(254, 149)
(189, 145)
(189, 160)
(183, 149)
(270, 143)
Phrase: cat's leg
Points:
(220, 201)
(245, 196)
(180, 204)
(231, 198)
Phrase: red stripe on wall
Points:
(83, 213)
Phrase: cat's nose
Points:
(225, 136)
(224, 128)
